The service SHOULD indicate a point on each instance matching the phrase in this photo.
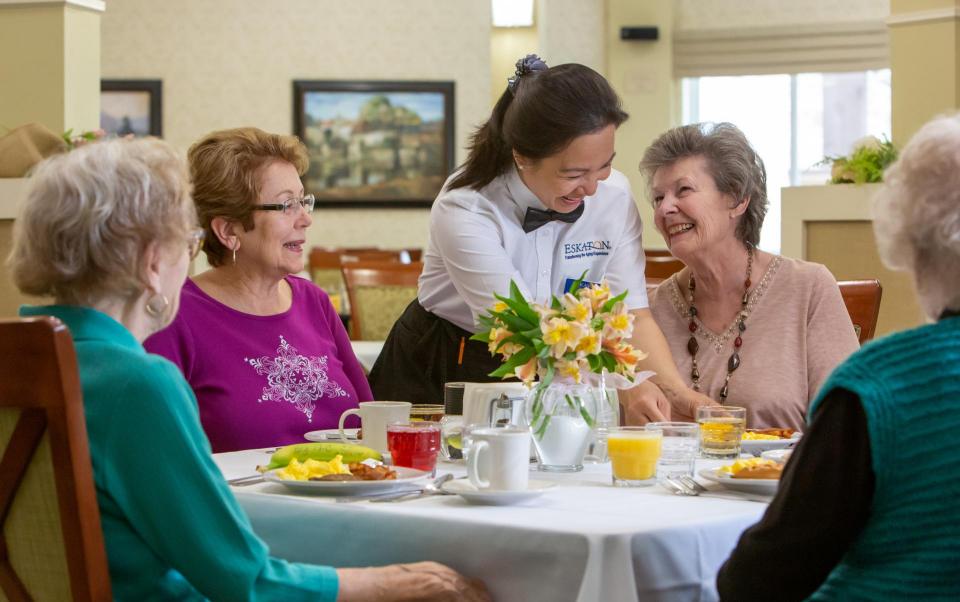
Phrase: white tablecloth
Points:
(583, 540)
(367, 352)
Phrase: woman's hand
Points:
(686, 403)
(420, 581)
(644, 403)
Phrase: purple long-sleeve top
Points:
(263, 381)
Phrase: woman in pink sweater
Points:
(745, 327)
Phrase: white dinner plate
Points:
(407, 478)
(780, 456)
(755, 447)
(330, 435)
(465, 489)
(761, 486)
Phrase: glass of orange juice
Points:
(633, 452)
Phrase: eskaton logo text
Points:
(590, 248)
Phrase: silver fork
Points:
(428, 489)
(686, 485)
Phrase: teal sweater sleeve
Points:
(157, 466)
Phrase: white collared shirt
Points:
(477, 245)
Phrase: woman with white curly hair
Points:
(864, 510)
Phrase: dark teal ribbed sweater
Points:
(909, 384)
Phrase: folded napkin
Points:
(25, 146)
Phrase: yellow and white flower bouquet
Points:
(582, 338)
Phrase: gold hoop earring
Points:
(234, 256)
(157, 304)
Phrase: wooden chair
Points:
(862, 298)
(662, 266)
(379, 291)
(51, 545)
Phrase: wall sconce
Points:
(512, 13)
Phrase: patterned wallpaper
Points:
(227, 63)
(572, 31)
(734, 14)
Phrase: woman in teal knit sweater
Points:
(867, 507)
(108, 231)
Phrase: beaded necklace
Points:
(693, 346)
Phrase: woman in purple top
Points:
(264, 351)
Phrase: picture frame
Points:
(131, 106)
(377, 144)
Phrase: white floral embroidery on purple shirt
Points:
(295, 378)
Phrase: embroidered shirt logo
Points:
(589, 248)
(295, 378)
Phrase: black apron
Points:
(422, 352)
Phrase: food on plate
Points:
(323, 452)
(336, 470)
(362, 471)
(311, 469)
(768, 434)
(753, 468)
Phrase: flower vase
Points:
(562, 418)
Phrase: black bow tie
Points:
(536, 218)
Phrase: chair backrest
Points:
(662, 266)
(862, 298)
(51, 545)
(379, 291)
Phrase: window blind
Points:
(852, 46)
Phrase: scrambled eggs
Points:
(308, 469)
(742, 464)
(750, 436)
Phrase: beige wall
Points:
(642, 73)
(849, 250)
(507, 45)
(49, 66)
(925, 63)
(226, 63)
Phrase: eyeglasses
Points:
(195, 242)
(289, 206)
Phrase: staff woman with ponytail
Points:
(537, 202)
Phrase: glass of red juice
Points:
(414, 444)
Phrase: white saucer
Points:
(330, 435)
(465, 489)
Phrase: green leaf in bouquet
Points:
(575, 285)
(609, 362)
(482, 336)
(595, 363)
(596, 323)
(555, 303)
(543, 352)
(514, 322)
(516, 360)
(533, 333)
(486, 320)
(517, 339)
(521, 308)
(613, 301)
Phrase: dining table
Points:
(582, 540)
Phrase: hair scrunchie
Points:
(527, 64)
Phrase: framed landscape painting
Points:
(131, 106)
(375, 144)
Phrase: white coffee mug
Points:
(374, 418)
(499, 458)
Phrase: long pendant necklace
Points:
(693, 346)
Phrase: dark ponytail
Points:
(538, 115)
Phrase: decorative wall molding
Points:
(924, 16)
(94, 5)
